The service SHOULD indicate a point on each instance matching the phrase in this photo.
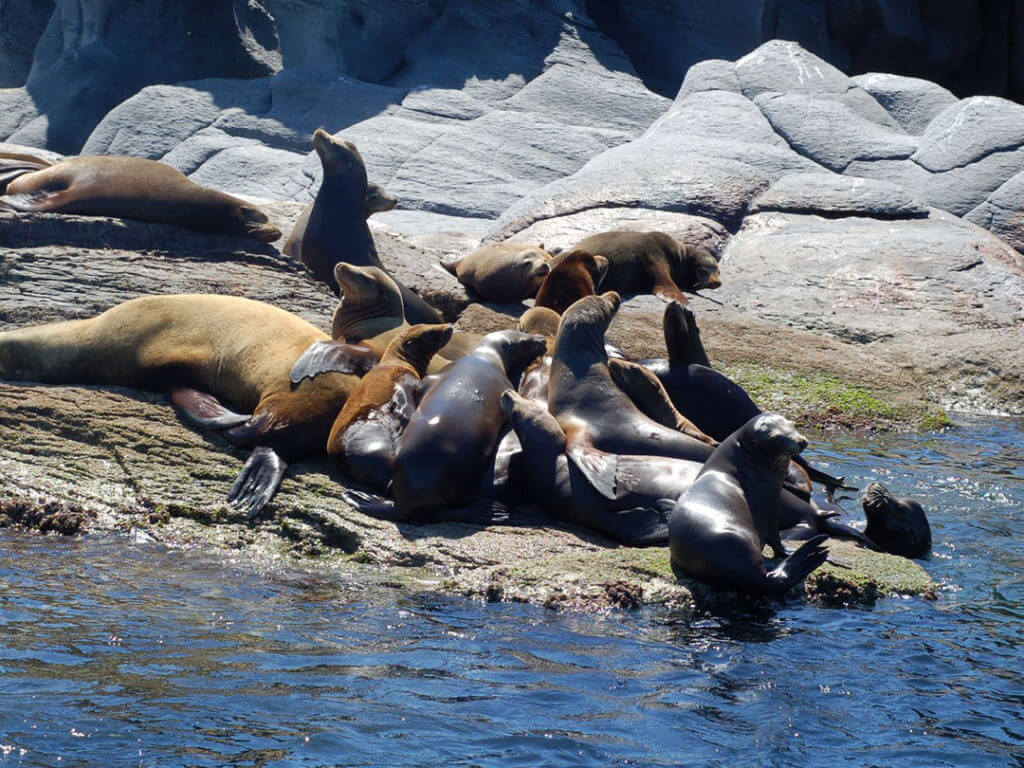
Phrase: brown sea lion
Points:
(336, 230)
(446, 456)
(574, 274)
(135, 188)
(15, 164)
(898, 526)
(720, 525)
(199, 348)
(503, 272)
(648, 394)
(653, 262)
(540, 321)
(588, 405)
(366, 433)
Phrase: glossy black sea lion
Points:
(336, 230)
(897, 526)
(719, 526)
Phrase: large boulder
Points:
(911, 101)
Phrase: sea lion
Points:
(199, 348)
(588, 405)
(15, 164)
(376, 200)
(716, 404)
(653, 262)
(541, 321)
(135, 188)
(897, 526)
(336, 230)
(365, 435)
(720, 525)
(443, 461)
(503, 272)
(645, 487)
(574, 274)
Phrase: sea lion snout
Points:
(898, 526)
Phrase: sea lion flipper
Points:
(205, 410)
(798, 566)
(597, 466)
(649, 395)
(451, 265)
(258, 481)
(332, 356)
(373, 505)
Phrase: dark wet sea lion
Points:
(448, 448)
(200, 349)
(376, 200)
(503, 272)
(588, 405)
(653, 262)
(710, 399)
(897, 526)
(135, 188)
(574, 274)
(534, 382)
(720, 525)
(366, 434)
(649, 395)
(645, 487)
(336, 230)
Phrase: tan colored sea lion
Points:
(365, 436)
(653, 262)
(336, 230)
(200, 349)
(539, 321)
(574, 274)
(15, 164)
(135, 188)
(503, 272)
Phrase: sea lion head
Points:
(256, 224)
(772, 440)
(341, 160)
(418, 344)
(530, 269)
(585, 323)
(512, 351)
(898, 526)
(540, 320)
(531, 422)
(366, 293)
(700, 269)
(378, 200)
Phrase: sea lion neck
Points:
(363, 323)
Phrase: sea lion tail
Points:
(798, 566)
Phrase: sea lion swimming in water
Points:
(720, 525)
(502, 272)
(200, 349)
(134, 188)
(336, 230)
(897, 526)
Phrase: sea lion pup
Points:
(645, 487)
(446, 455)
(897, 526)
(593, 411)
(720, 525)
(710, 399)
(503, 272)
(135, 188)
(653, 262)
(365, 435)
(199, 348)
(574, 274)
(336, 230)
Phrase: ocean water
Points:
(117, 654)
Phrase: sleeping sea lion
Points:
(199, 348)
(135, 188)
(574, 274)
(446, 455)
(336, 230)
(653, 262)
(503, 272)
(15, 164)
(365, 435)
(720, 525)
(897, 526)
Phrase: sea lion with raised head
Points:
(502, 272)
(653, 262)
(574, 274)
(365, 436)
(720, 525)
(897, 526)
(201, 349)
(135, 188)
(336, 230)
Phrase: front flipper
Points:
(204, 409)
(258, 482)
(831, 483)
(597, 466)
(332, 356)
(649, 395)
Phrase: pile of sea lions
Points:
(545, 421)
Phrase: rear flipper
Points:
(797, 566)
(204, 409)
(827, 480)
(838, 530)
(258, 482)
(479, 512)
(332, 356)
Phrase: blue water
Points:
(114, 654)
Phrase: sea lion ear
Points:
(597, 466)
(332, 357)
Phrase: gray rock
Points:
(21, 24)
(1003, 212)
(709, 75)
(830, 194)
(717, 115)
(970, 130)
(781, 66)
(913, 102)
